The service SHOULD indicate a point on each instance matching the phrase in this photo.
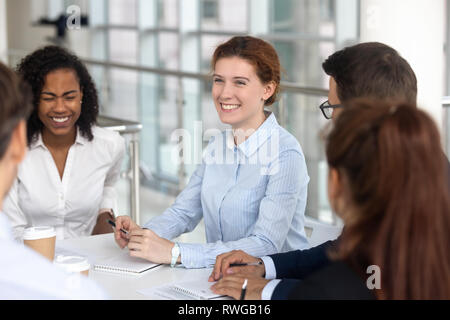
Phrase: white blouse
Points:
(40, 197)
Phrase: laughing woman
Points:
(67, 178)
(251, 186)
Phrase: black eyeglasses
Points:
(327, 109)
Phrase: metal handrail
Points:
(446, 101)
(287, 86)
(128, 127)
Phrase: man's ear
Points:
(18, 143)
(334, 188)
(334, 182)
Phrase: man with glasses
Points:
(328, 109)
(367, 70)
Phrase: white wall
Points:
(3, 32)
(21, 34)
(416, 29)
(25, 36)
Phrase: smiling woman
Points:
(60, 105)
(59, 110)
(67, 178)
(249, 197)
(239, 94)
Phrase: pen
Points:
(243, 290)
(114, 225)
(242, 264)
(246, 264)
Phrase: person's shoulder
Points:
(287, 141)
(105, 134)
(107, 137)
(27, 275)
(335, 281)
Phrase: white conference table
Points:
(124, 286)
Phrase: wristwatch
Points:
(175, 254)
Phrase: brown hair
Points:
(374, 70)
(257, 52)
(396, 174)
(15, 104)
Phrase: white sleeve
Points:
(269, 288)
(109, 199)
(269, 266)
(12, 210)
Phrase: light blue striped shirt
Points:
(252, 197)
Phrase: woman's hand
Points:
(124, 222)
(146, 244)
(223, 262)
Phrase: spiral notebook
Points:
(186, 290)
(123, 263)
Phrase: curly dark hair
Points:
(34, 67)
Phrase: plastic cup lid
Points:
(35, 233)
(72, 263)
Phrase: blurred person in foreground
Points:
(25, 274)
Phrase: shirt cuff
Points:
(192, 256)
(268, 289)
(271, 272)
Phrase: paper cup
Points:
(42, 240)
(73, 264)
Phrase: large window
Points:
(174, 40)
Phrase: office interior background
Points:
(150, 60)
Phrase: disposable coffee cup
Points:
(42, 240)
(73, 264)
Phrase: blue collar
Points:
(255, 140)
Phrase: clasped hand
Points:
(231, 279)
(143, 243)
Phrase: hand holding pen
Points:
(114, 226)
(237, 262)
(123, 226)
(240, 287)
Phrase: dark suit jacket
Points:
(295, 265)
(337, 281)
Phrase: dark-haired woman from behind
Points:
(67, 178)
